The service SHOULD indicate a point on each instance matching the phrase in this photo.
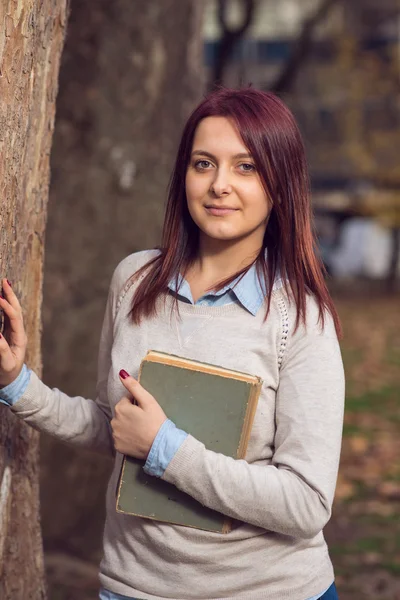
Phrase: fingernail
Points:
(2, 297)
(123, 374)
(9, 283)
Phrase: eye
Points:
(201, 165)
(247, 167)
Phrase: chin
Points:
(227, 236)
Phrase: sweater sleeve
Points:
(293, 495)
(75, 419)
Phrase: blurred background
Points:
(131, 72)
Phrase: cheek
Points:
(193, 194)
(256, 202)
(196, 187)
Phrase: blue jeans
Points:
(330, 594)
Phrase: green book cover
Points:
(213, 404)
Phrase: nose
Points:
(221, 184)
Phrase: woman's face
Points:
(224, 192)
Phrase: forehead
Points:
(218, 134)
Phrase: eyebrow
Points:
(205, 153)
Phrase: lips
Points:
(220, 210)
(220, 207)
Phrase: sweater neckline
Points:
(211, 311)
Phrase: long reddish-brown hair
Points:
(269, 131)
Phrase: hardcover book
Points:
(217, 407)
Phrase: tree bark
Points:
(131, 72)
(31, 40)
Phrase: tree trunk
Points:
(131, 72)
(31, 40)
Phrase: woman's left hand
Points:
(134, 426)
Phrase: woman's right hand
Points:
(12, 353)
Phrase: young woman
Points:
(235, 283)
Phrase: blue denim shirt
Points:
(246, 291)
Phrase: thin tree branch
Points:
(301, 48)
(230, 36)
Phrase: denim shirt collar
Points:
(247, 290)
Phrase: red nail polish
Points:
(2, 297)
(123, 374)
(9, 283)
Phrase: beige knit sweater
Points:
(280, 496)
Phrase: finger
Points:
(142, 396)
(123, 403)
(7, 359)
(17, 335)
(11, 295)
(17, 330)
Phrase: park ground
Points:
(364, 532)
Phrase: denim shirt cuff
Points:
(12, 392)
(165, 445)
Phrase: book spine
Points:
(251, 408)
